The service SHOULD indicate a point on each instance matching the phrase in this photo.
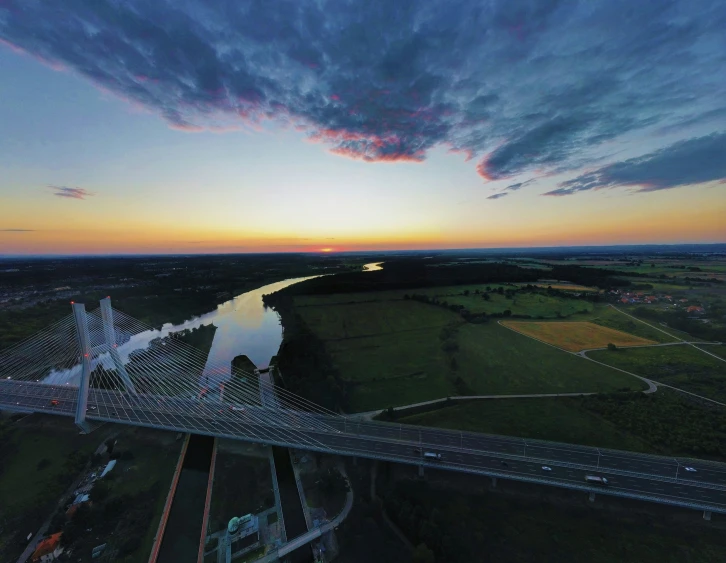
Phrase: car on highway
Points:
(690, 469)
(596, 480)
(91, 408)
(432, 456)
(54, 402)
(546, 468)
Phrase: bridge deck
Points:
(645, 477)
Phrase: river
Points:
(244, 326)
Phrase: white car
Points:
(545, 468)
(690, 469)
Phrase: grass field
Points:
(720, 351)
(495, 360)
(530, 304)
(681, 366)
(155, 455)
(557, 419)
(242, 483)
(575, 336)
(391, 353)
(526, 524)
(607, 316)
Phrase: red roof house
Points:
(49, 549)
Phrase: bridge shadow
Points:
(183, 532)
(292, 510)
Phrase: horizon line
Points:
(371, 251)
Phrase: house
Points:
(683, 300)
(111, 464)
(48, 550)
(624, 300)
(695, 309)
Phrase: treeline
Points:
(411, 273)
(414, 273)
(679, 320)
(509, 293)
(303, 361)
(598, 277)
(415, 508)
(666, 421)
(153, 289)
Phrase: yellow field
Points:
(575, 336)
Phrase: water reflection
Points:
(244, 326)
(372, 267)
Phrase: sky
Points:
(152, 126)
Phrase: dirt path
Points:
(672, 335)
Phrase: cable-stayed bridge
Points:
(105, 366)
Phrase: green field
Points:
(720, 350)
(495, 360)
(607, 316)
(460, 520)
(392, 353)
(558, 419)
(665, 422)
(534, 305)
(242, 483)
(681, 366)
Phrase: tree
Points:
(332, 482)
(422, 554)
(100, 491)
(612, 347)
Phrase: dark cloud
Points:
(519, 185)
(694, 161)
(74, 193)
(17, 230)
(518, 84)
(497, 196)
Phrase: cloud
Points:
(17, 230)
(497, 196)
(519, 185)
(520, 85)
(74, 193)
(693, 161)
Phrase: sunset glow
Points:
(251, 161)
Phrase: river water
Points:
(244, 326)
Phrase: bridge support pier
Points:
(707, 515)
(592, 497)
(494, 482)
(84, 340)
(110, 336)
(420, 470)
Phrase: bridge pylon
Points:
(84, 341)
(110, 336)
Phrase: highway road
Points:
(653, 478)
